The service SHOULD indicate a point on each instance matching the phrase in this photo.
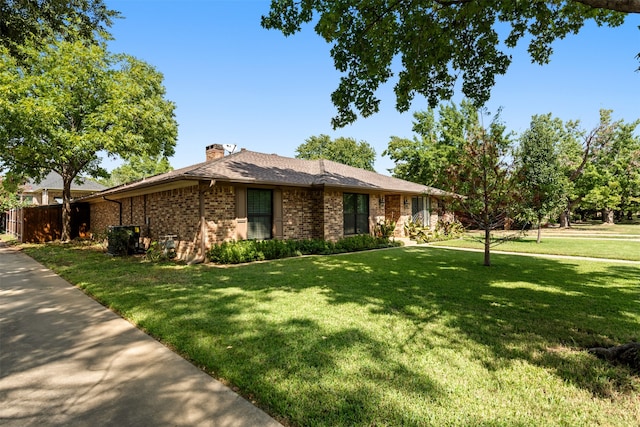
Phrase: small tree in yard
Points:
(63, 104)
(541, 182)
(483, 176)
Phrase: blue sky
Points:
(235, 82)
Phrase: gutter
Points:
(119, 203)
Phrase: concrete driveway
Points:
(66, 360)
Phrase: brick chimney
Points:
(214, 151)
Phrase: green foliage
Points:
(69, 101)
(444, 230)
(483, 176)
(434, 42)
(25, 21)
(9, 198)
(136, 168)
(157, 252)
(236, 252)
(614, 172)
(385, 228)
(456, 153)
(119, 241)
(540, 180)
(342, 150)
(425, 159)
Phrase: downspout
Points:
(119, 203)
(203, 228)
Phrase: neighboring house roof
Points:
(250, 167)
(53, 181)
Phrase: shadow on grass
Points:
(333, 340)
(521, 308)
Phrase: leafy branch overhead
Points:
(436, 42)
(37, 21)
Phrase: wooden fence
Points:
(38, 224)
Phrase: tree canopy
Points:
(613, 174)
(64, 104)
(435, 42)
(541, 182)
(347, 151)
(136, 168)
(436, 145)
(36, 21)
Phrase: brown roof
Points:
(53, 181)
(250, 167)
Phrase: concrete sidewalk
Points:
(67, 360)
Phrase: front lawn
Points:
(610, 248)
(412, 336)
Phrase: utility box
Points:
(124, 239)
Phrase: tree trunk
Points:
(539, 231)
(487, 247)
(607, 216)
(564, 219)
(66, 209)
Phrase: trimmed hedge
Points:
(236, 252)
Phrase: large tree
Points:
(63, 104)
(347, 151)
(36, 21)
(613, 172)
(541, 184)
(577, 150)
(433, 41)
(437, 144)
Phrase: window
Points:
(356, 213)
(420, 207)
(259, 214)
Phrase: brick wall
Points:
(306, 214)
(376, 211)
(103, 215)
(220, 214)
(301, 214)
(333, 227)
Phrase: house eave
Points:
(141, 189)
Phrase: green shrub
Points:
(118, 239)
(385, 228)
(236, 252)
(159, 252)
(444, 230)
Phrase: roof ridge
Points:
(323, 170)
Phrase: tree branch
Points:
(586, 153)
(626, 6)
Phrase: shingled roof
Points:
(250, 167)
(53, 181)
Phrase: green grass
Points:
(7, 238)
(595, 227)
(412, 336)
(625, 249)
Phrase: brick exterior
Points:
(302, 214)
(333, 216)
(306, 214)
(220, 214)
(376, 211)
(103, 215)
